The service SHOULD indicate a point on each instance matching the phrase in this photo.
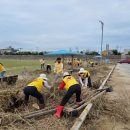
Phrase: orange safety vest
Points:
(86, 74)
(2, 68)
(69, 81)
(38, 83)
(58, 68)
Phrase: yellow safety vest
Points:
(86, 74)
(91, 62)
(69, 81)
(42, 61)
(80, 61)
(2, 68)
(38, 83)
(58, 68)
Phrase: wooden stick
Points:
(82, 117)
(45, 112)
(42, 110)
(92, 99)
(85, 100)
(104, 82)
(105, 88)
(37, 114)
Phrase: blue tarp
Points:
(63, 52)
(97, 56)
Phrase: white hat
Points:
(43, 76)
(65, 74)
(82, 70)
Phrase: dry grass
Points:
(115, 110)
(50, 122)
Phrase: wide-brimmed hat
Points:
(43, 76)
(65, 74)
(81, 70)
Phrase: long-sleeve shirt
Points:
(62, 85)
(46, 85)
(83, 82)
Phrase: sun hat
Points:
(43, 76)
(81, 70)
(65, 74)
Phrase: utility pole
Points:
(102, 24)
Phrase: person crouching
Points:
(34, 89)
(84, 78)
(70, 84)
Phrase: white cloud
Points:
(64, 23)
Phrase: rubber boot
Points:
(59, 111)
(41, 106)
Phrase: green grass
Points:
(18, 66)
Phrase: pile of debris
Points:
(12, 100)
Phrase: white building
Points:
(9, 49)
(126, 51)
(125, 54)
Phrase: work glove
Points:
(85, 85)
(82, 85)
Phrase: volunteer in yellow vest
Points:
(92, 63)
(34, 89)
(70, 84)
(58, 68)
(48, 68)
(42, 62)
(84, 78)
(2, 70)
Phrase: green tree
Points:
(129, 53)
(115, 52)
(81, 52)
(94, 53)
(91, 53)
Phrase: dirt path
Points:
(120, 81)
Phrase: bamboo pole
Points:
(85, 100)
(41, 110)
(82, 117)
(92, 99)
(37, 114)
(45, 112)
(104, 82)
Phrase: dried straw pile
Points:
(115, 110)
(12, 94)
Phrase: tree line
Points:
(114, 52)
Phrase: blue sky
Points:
(63, 24)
